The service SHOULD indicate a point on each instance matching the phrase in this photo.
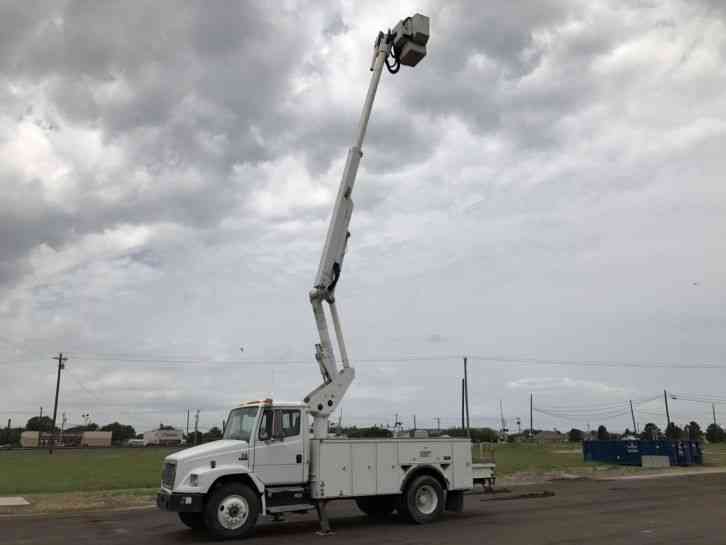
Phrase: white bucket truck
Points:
(277, 457)
(270, 463)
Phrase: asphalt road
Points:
(677, 510)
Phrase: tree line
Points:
(691, 431)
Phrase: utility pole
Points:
(187, 423)
(61, 365)
(632, 414)
(196, 427)
(438, 423)
(463, 401)
(64, 419)
(466, 392)
(713, 407)
(41, 412)
(7, 435)
(531, 416)
(668, 414)
(397, 426)
(519, 426)
(414, 422)
(501, 417)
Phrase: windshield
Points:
(241, 424)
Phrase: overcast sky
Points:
(548, 184)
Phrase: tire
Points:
(195, 521)
(231, 511)
(377, 506)
(423, 500)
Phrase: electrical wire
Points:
(599, 363)
(610, 416)
(598, 409)
(166, 360)
(697, 398)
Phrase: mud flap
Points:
(455, 501)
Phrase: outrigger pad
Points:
(320, 507)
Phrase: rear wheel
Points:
(423, 500)
(195, 521)
(376, 506)
(231, 511)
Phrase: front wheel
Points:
(231, 511)
(423, 500)
(195, 521)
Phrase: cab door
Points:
(279, 456)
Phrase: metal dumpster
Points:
(612, 452)
(631, 452)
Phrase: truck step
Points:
(288, 508)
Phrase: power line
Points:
(173, 361)
(599, 363)
(698, 398)
(611, 416)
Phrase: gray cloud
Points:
(547, 183)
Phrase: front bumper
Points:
(188, 503)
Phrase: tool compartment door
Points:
(364, 468)
(463, 477)
(334, 469)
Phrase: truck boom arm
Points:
(323, 400)
(407, 44)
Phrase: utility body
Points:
(277, 457)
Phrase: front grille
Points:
(168, 474)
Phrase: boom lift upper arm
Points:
(406, 44)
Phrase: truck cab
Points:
(264, 449)
(268, 463)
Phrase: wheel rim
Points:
(426, 499)
(232, 512)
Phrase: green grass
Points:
(533, 458)
(715, 455)
(80, 470)
(29, 472)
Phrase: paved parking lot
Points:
(674, 510)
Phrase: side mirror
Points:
(264, 436)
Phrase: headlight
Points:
(193, 479)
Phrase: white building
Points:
(166, 438)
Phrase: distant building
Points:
(30, 439)
(163, 438)
(547, 436)
(96, 439)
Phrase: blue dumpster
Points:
(630, 452)
(612, 452)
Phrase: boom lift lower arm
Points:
(407, 45)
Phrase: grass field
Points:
(25, 472)
(523, 457)
(514, 458)
(34, 472)
(715, 455)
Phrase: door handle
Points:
(298, 459)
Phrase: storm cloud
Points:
(546, 185)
